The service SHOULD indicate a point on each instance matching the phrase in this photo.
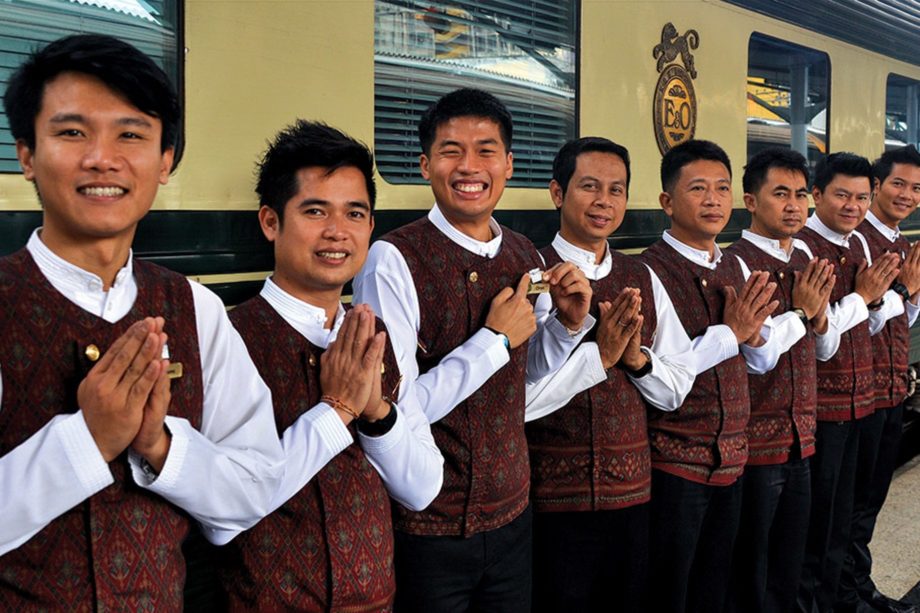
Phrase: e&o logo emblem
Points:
(675, 100)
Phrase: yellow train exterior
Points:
(251, 67)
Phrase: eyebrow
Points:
(354, 204)
(78, 118)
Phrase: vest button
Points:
(474, 276)
(704, 282)
(92, 353)
(311, 360)
(782, 275)
(843, 259)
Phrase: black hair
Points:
(567, 158)
(464, 103)
(309, 144)
(120, 66)
(755, 173)
(881, 168)
(687, 153)
(841, 163)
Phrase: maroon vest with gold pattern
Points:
(846, 385)
(330, 547)
(704, 440)
(783, 400)
(593, 454)
(486, 472)
(119, 550)
(891, 345)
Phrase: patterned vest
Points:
(119, 550)
(593, 453)
(782, 400)
(891, 346)
(330, 547)
(486, 471)
(846, 385)
(704, 440)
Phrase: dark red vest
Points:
(330, 547)
(486, 472)
(846, 385)
(704, 440)
(782, 423)
(121, 548)
(891, 345)
(593, 454)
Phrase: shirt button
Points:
(474, 276)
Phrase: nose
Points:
(102, 155)
(467, 162)
(334, 228)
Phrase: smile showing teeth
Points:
(332, 255)
(469, 188)
(103, 192)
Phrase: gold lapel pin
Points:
(92, 353)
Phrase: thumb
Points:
(523, 284)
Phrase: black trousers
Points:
(692, 532)
(770, 547)
(591, 561)
(833, 469)
(879, 441)
(487, 572)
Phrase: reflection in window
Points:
(787, 97)
(150, 25)
(902, 104)
(523, 52)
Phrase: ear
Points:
(268, 220)
(750, 203)
(555, 192)
(24, 154)
(510, 170)
(372, 223)
(664, 199)
(876, 184)
(816, 196)
(166, 165)
(423, 166)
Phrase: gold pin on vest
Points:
(92, 353)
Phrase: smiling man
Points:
(896, 183)
(334, 381)
(452, 289)
(699, 451)
(842, 192)
(103, 457)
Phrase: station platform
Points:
(896, 543)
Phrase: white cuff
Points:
(83, 453)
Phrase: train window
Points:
(902, 107)
(524, 52)
(150, 25)
(787, 97)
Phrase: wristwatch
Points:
(646, 368)
(901, 290)
(800, 313)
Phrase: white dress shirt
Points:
(385, 283)
(719, 343)
(673, 364)
(409, 462)
(223, 475)
(892, 234)
(850, 310)
(788, 327)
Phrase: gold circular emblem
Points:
(92, 353)
(675, 108)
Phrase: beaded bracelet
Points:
(335, 403)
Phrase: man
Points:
(590, 466)
(896, 188)
(698, 452)
(781, 430)
(98, 480)
(453, 290)
(845, 383)
(330, 531)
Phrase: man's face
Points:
(780, 207)
(700, 203)
(467, 167)
(594, 204)
(898, 195)
(97, 161)
(323, 240)
(843, 203)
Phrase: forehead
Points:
(785, 177)
(849, 183)
(468, 128)
(344, 184)
(80, 93)
(709, 170)
(600, 164)
(906, 171)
